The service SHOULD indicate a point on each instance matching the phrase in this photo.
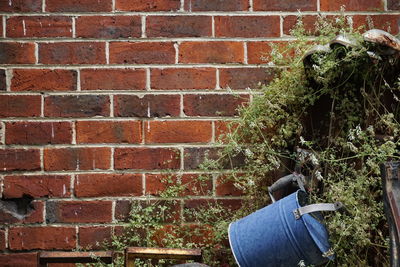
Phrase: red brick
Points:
(110, 27)
(108, 185)
(393, 5)
(113, 79)
(178, 26)
(20, 106)
(3, 83)
(34, 214)
(226, 187)
(178, 132)
(2, 240)
(37, 186)
(250, 26)
(222, 128)
(171, 212)
(146, 158)
(34, 133)
(206, 5)
(16, 6)
(76, 106)
(142, 53)
(72, 53)
(285, 5)
(78, 211)
(259, 52)
(386, 22)
(17, 53)
(43, 80)
(242, 78)
(38, 26)
(193, 206)
(187, 185)
(19, 159)
(194, 157)
(109, 131)
(78, 5)
(211, 52)
(42, 237)
(213, 105)
(148, 5)
(57, 159)
(148, 106)
(352, 5)
(94, 237)
(183, 78)
(19, 259)
(289, 22)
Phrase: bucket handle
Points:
(284, 182)
(317, 207)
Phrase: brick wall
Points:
(99, 97)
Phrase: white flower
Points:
(301, 264)
(318, 175)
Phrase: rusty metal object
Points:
(391, 192)
(46, 257)
(385, 39)
(133, 253)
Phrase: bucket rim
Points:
(230, 244)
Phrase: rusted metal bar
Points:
(391, 193)
(46, 257)
(133, 253)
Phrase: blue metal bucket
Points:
(282, 234)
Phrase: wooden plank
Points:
(75, 257)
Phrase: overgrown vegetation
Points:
(343, 108)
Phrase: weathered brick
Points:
(226, 187)
(178, 132)
(247, 26)
(285, 5)
(43, 80)
(110, 27)
(113, 79)
(386, 22)
(183, 78)
(77, 106)
(57, 159)
(39, 26)
(42, 237)
(211, 52)
(146, 158)
(19, 259)
(107, 185)
(142, 53)
(94, 237)
(2, 240)
(289, 22)
(78, 5)
(178, 26)
(148, 106)
(194, 157)
(19, 159)
(149, 5)
(16, 6)
(206, 5)
(259, 52)
(34, 214)
(78, 212)
(34, 133)
(37, 186)
(72, 53)
(187, 184)
(3, 79)
(222, 128)
(213, 105)
(242, 78)
(108, 132)
(352, 5)
(193, 206)
(170, 214)
(393, 5)
(20, 106)
(17, 53)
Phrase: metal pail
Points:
(282, 234)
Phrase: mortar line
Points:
(44, 212)
(176, 46)
(113, 219)
(43, 5)
(113, 6)
(182, 108)
(41, 151)
(213, 132)
(73, 27)
(251, 5)
(4, 26)
(214, 184)
(73, 126)
(318, 5)
(3, 133)
(112, 158)
(212, 26)
(245, 53)
(42, 106)
(137, 66)
(111, 106)
(107, 50)
(9, 76)
(77, 240)
(1, 185)
(143, 20)
(72, 186)
(182, 8)
(385, 5)
(36, 53)
(217, 83)
(182, 157)
(143, 125)
(78, 80)
(148, 79)
(144, 184)
(281, 18)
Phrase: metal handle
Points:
(284, 182)
(317, 207)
